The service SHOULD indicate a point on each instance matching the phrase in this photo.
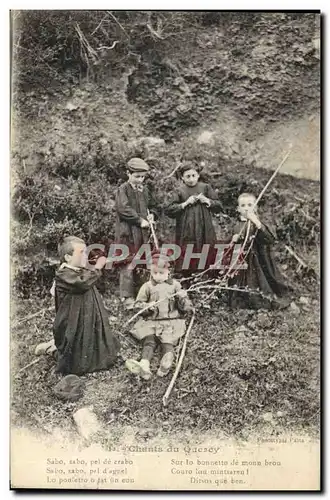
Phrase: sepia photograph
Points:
(165, 225)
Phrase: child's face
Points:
(190, 177)
(136, 178)
(159, 274)
(246, 204)
(78, 257)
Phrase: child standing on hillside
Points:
(82, 335)
(135, 209)
(192, 205)
(163, 322)
(261, 274)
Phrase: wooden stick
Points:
(98, 25)
(153, 233)
(129, 341)
(148, 306)
(34, 362)
(291, 252)
(178, 366)
(274, 174)
(173, 171)
(234, 289)
(27, 318)
(116, 20)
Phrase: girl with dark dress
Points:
(261, 273)
(192, 205)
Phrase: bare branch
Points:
(98, 26)
(116, 20)
(298, 259)
(173, 171)
(104, 47)
(154, 33)
(178, 366)
(31, 316)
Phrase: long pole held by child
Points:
(153, 232)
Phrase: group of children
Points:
(83, 340)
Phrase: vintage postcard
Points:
(165, 249)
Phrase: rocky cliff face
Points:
(248, 80)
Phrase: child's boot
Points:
(141, 368)
(46, 348)
(165, 364)
(145, 369)
(133, 366)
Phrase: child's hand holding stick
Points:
(101, 262)
(203, 199)
(152, 229)
(254, 219)
(144, 223)
(190, 201)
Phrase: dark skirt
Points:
(82, 334)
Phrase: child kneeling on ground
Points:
(162, 323)
(83, 340)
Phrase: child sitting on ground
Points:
(163, 322)
(261, 274)
(82, 334)
(192, 206)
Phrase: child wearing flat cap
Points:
(135, 209)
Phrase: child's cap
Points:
(137, 165)
(70, 388)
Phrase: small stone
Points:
(280, 414)
(152, 141)
(70, 106)
(206, 137)
(264, 320)
(304, 300)
(294, 307)
(267, 417)
(113, 318)
(103, 141)
(86, 422)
